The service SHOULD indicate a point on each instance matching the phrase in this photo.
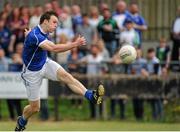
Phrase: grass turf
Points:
(92, 126)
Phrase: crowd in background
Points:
(105, 32)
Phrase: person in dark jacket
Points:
(107, 29)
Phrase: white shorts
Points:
(33, 79)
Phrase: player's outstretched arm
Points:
(50, 46)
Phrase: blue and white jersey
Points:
(33, 56)
(120, 18)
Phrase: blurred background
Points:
(147, 91)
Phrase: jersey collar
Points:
(42, 30)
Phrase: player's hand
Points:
(26, 31)
(80, 41)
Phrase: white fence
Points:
(12, 87)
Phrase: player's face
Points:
(52, 24)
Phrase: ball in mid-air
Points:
(127, 54)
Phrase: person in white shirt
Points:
(129, 35)
(154, 68)
(93, 60)
(34, 20)
(94, 16)
(121, 14)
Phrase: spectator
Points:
(34, 20)
(14, 19)
(73, 58)
(15, 25)
(115, 66)
(66, 18)
(22, 24)
(15, 66)
(7, 40)
(4, 61)
(175, 36)
(12, 104)
(25, 16)
(163, 54)
(129, 35)
(139, 22)
(94, 16)
(121, 14)
(48, 7)
(153, 68)
(62, 57)
(64, 27)
(104, 52)
(102, 7)
(106, 29)
(7, 9)
(76, 17)
(152, 62)
(56, 7)
(93, 60)
(3, 16)
(19, 49)
(88, 32)
(32, 10)
(139, 67)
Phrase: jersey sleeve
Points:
(41, 39)
(142, 21)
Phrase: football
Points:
(127, 54)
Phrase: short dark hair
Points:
(127, 21)
(47, 15)
(150, 50)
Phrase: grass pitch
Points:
(92, 126)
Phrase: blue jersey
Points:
(139, 20)
(33, 56)
(120, 18)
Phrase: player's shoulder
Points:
(35, 33)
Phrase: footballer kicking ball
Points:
(127, 54)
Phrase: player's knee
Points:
(35, 108)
